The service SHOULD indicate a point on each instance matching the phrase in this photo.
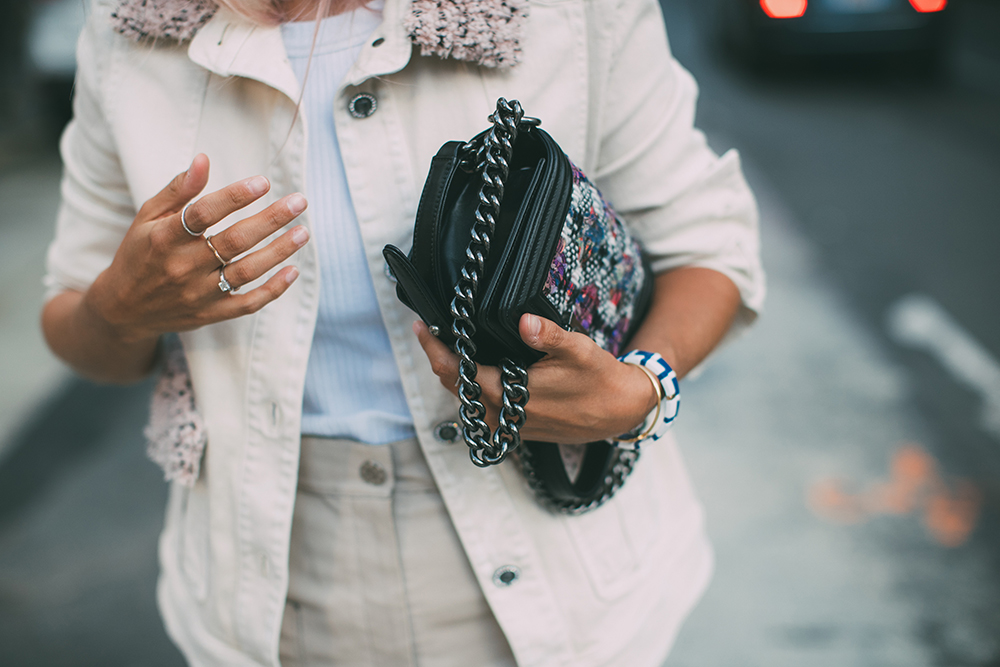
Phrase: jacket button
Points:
(362, 105)
(506, 575)
(373, 473)
(447, 431)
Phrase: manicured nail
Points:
(257, 185)
(300, 235)
(534, 325)
(291, 275)
(296, 203)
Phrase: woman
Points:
(335, 518)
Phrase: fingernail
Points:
(534, 325)
(296, 204)
(257, 185)
(291, 275)
(300, 235)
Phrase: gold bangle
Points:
(658, 388)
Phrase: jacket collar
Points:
(486, 32)
(228, 45)
(231, 46)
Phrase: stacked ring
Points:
(184, 223)
(208, 240)
(225, 285)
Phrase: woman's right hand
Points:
(163, 279)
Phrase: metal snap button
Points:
(362, 105)
(506, 575)
(447, 431)
(373, 473)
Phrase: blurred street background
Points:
(847, 450)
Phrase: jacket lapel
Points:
(228, 45)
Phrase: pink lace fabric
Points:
(175, 435)
(485, 32)
(162, 19)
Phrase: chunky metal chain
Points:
(490, 157)
(492, 160)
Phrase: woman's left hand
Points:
(578, 391)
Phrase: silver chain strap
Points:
(492, 160)
(491, 157)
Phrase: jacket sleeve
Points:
(97, 207)
(687, 206)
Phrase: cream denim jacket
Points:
(599, 74)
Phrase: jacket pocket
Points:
(615, 542)
(192, 542)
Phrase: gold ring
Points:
(208, 240)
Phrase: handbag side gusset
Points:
(599, 279)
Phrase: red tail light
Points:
(790, 9)
(929, 5)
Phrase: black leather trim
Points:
(598, 459)
(414, 292)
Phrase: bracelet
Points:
(649, 423)
(661, 418)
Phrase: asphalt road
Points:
(847, 460)
(893, 176)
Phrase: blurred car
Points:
(836, 27)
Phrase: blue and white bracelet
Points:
(661, 418)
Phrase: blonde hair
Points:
(274, 12)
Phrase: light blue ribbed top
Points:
(353, 389)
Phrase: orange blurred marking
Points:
(914, 484)
(912, 469)
(950, 517)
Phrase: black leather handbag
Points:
(507, 225)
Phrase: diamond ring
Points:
(224, 284)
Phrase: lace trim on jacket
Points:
(175, 435)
